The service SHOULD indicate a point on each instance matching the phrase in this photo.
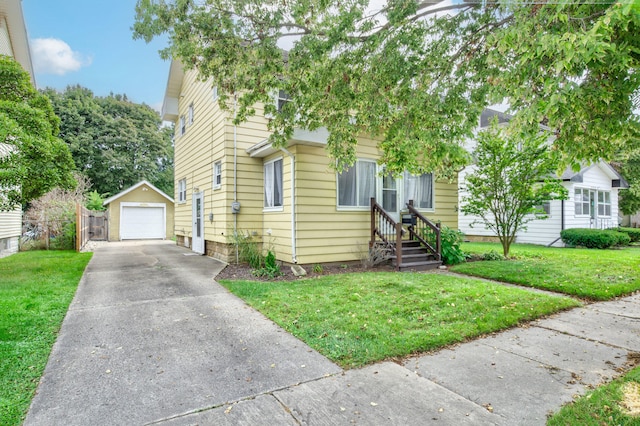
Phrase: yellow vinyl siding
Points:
(323, 233)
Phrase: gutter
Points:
(294, 257)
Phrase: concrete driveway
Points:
(150, 336)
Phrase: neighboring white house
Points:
(14, 43)
(592, 202)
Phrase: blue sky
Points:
(89, 42)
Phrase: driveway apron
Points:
(150, 336)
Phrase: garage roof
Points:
(133, 188)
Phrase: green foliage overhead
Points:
(414, 78)
(514, 175)
(114, 141)
(32, 159)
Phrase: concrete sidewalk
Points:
(151, 339)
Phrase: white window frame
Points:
(606, 204)
(358, 187)
(190, 114)
(581, 201)
(269, 167)
(182, 190)
(214, 93)
(182, 126)
(217, 175)
(405, 175)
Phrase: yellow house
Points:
(231, 179)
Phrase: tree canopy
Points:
(114, 142)
(32, 159)
(415, 73)
(513, 176)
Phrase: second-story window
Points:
(217, 175)
(282, 99)
(182, 190)
(190, 114)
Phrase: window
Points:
(581, 199)
(214, 94)
(190, 114)
(217, 175)
(273, 184)
(182, 127)
(419, 189)
(182, 190)
(357, 184)
(282, 98)
(544, 209)
(604, 203)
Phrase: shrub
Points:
(633, 233)
(271, 269)
(492, 255)
(593, 238)
(450, 240)
(248, 250)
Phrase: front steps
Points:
(415, 258)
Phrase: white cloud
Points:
(54, 56)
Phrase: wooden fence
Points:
(90, 225)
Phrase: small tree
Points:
(514, 176)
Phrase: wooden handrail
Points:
(423, 223)
(382, 226)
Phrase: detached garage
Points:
(142, 212)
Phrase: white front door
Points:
(197, 243)
(390, 196)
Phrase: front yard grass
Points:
(36, 289)
(359, 318)
(616, 403)
(587, 273)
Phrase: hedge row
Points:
(633, 233)
(594, 238)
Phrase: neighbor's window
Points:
(419, 189)
(217, 175)
(273, 184)
(545, 207)
(182, 190)
(581, 199)
(357, 184)
(604, 203)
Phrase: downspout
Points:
(235, 166)
(294, 256)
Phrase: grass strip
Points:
(360, 318)
(616, 403)
(587, 273)
(36, 289)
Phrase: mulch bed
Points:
(243, 272)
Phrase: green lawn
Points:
(588, 273)
(36, 289)
(604, 405)
(360, 318)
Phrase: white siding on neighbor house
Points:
(547, 231)
(10, 230)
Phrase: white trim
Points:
(133, 188)
(145, 205)
(181, 191)
(215, 185)
(272, 208)
(340, 207)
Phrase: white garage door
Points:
(138, 223)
